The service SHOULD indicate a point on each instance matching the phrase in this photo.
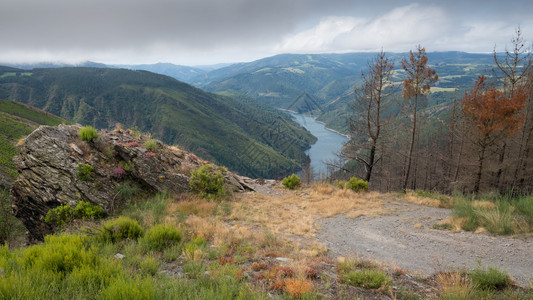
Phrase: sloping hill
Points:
(248, 140)
(330, 78)
(16, 121)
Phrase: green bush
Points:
(84, 172)
(207, 183)
(357, 185)
(353, 184)
(127, 166)
(64, 214)
(88, 133)
(150, 265)
(291, 182)
(194, 269)
(120, 229)
(490, 279)
(135, 288)
(151, 145)
(161, 236)
(366, 278)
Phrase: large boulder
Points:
(48, 172)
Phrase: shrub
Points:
(366, 278)
(193, 251)
(126, 189)
(194, 269)
(85, 210)
(491, 279)
(160, 237)
(136, 288)
(150, 265)
(120, 229)
(353, 184)
(64, 214)
(150, 145)
(84, 172)
(291, 182)
(127, 166)
(118, 172)
(298, 287)
(357, 185)
(88, 133)
(207, 183)
(59, 216)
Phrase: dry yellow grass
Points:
(411, 197)
(484, 204)
(194, 206)
(295, 212)
(453, 285)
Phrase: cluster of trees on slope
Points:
(482, 143)
(251, 141)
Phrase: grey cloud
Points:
(142, 27)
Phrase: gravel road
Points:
(405, 239)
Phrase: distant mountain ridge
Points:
(228, 131)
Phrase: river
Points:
(328, 144)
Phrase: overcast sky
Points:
(192, 32)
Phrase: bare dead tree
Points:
(367, 123)
(417, 83)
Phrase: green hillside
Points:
(238, 135)
(16, 121)
(330, 78)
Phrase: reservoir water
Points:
(329, 144)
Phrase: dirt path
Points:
(405, 239)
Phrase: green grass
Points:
(502, 215)
(490, 279)
(366, 278)
(16, 121)
(498, 214)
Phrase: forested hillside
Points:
(16, 121)
(215, 127)
(330, 78)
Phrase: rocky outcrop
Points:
(48, 172)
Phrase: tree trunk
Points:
(480, 169)
(413, 136)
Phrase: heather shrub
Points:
(120, 229)
(161, 236)
(207, 183)
(291, 182)
(88, 133)
(85, 171)
(118, 172)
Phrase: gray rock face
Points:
(48, 172)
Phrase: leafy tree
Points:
(493, 115)
(417, 83)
